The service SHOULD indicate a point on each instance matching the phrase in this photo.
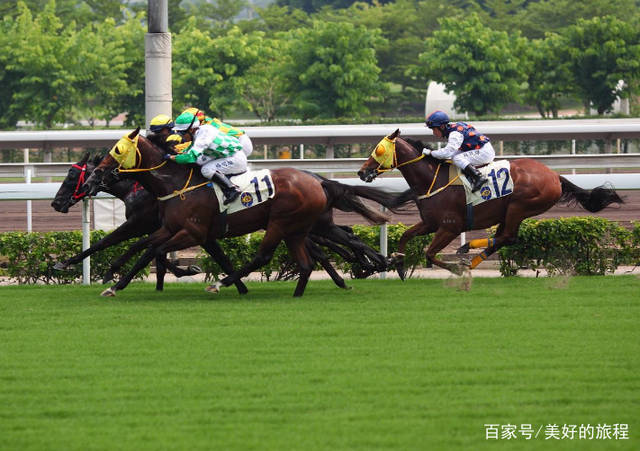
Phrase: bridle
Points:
(81, 179)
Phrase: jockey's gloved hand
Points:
(427, 151)
(167, 156)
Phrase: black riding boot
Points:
(475, 177)
(230, 191)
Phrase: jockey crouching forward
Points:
(241, 135)
(465, 147)
(217, 154)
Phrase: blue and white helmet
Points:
(437, 118)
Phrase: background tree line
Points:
(66, 60)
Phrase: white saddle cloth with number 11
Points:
(256, 187)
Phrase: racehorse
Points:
(190, 215)
(142, 218)
(443, 208)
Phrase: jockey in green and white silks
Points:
(241, 135)
(218, 154)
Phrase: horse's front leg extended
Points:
(440, 240)
(397, 257)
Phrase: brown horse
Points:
(190, 213)
(536, 188)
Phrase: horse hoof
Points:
(464, 249)
(215, 288)
(397, 256)
(59, 266)
(194, 269)
(108, 293)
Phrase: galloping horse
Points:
(190, 215)
(444, 210)
(143, 217)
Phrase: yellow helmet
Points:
(160, 122)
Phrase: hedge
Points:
(29, 257)
(577, 245)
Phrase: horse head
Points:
(70, 191)
(123, 154)
(383, 158)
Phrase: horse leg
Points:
(191, 270)
(124, 232)
(478, 243)
(440, 241)
(161, 270)
(133, 250)
(218, 255)
(506, 234)
(296, 245)
(265, 254)
(316, 254)
(160, 242)
(397, 257)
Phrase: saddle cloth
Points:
(256, 186)
(499, 182)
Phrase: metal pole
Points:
(384, 242)
(302, 151)
(29, 206)
(157, 45)
(86, 241)
(573, 152)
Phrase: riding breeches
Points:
(475, 157)
(235, 164)
(247, 145)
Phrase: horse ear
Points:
(85, 158)
(394, 135)
(134, 133)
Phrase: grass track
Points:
(387, 365)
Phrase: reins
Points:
(185, 189)
(435, 176)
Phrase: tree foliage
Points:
(333, 69)
(602, 51)
(480, 65)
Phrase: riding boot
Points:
(230, 191)
(475, 177)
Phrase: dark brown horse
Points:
(191, 216)
(143, 217)
(536, 188)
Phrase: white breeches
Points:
(475, 157)
(247, 145)
(235, 164)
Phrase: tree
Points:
(42, 67)
(333, 69)
(549, 78)
(602, 51)
(480, 65)
(263, 87)
(208, 72)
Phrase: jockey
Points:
(466, 147)
(241, 135)
(217, 153)
(161, 128)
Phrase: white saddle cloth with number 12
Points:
(256, 187)
(499, 183)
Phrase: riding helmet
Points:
(186, 121)
(437, 118)
(160, 122)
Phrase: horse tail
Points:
(592, 200)
(344, 198)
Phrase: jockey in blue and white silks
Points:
(465, 147)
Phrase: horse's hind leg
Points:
(161, 271)
(316, 254)
(296, 245)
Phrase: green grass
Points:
(387, 365)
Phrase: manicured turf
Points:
(387, 365)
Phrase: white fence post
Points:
(86, 241)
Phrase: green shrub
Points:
(29, 257)
(578, 245)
